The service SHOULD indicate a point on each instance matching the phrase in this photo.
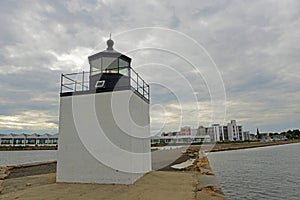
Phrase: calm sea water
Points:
(261, 173)
(23, 157)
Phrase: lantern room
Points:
(109, 70)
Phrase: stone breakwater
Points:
(206, 186)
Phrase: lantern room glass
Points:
(109, 65)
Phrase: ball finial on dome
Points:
(110, 43)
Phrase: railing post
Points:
(143, 88)
(82, 86)
(137, 82)
(75, 86)
(148, 93)
(61, 82)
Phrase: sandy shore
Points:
(196, 182)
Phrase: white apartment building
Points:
(235, 132)
(229, 132)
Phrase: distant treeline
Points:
(290, 134)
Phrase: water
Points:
(24, 157)
(261, 173)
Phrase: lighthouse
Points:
(104, 131)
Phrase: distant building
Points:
(215, 132)
(194, 131)
(249, 136)
(186, 130)
(230, 132)
(179, 139)
(201, 130)
(28, 139)
(235, 132)
(164, 134)
(277, 137)
(272, 137)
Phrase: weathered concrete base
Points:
(94, 141)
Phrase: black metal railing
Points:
(138, 84)
(76, 82)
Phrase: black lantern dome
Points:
(110, 44)
(109, 69)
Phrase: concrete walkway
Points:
(163, 158)
(155, 185)
(198, 182)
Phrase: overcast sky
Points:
(244, 55)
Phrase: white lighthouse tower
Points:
(104, 134)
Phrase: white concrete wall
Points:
(103, 138)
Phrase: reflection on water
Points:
(261, 173)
